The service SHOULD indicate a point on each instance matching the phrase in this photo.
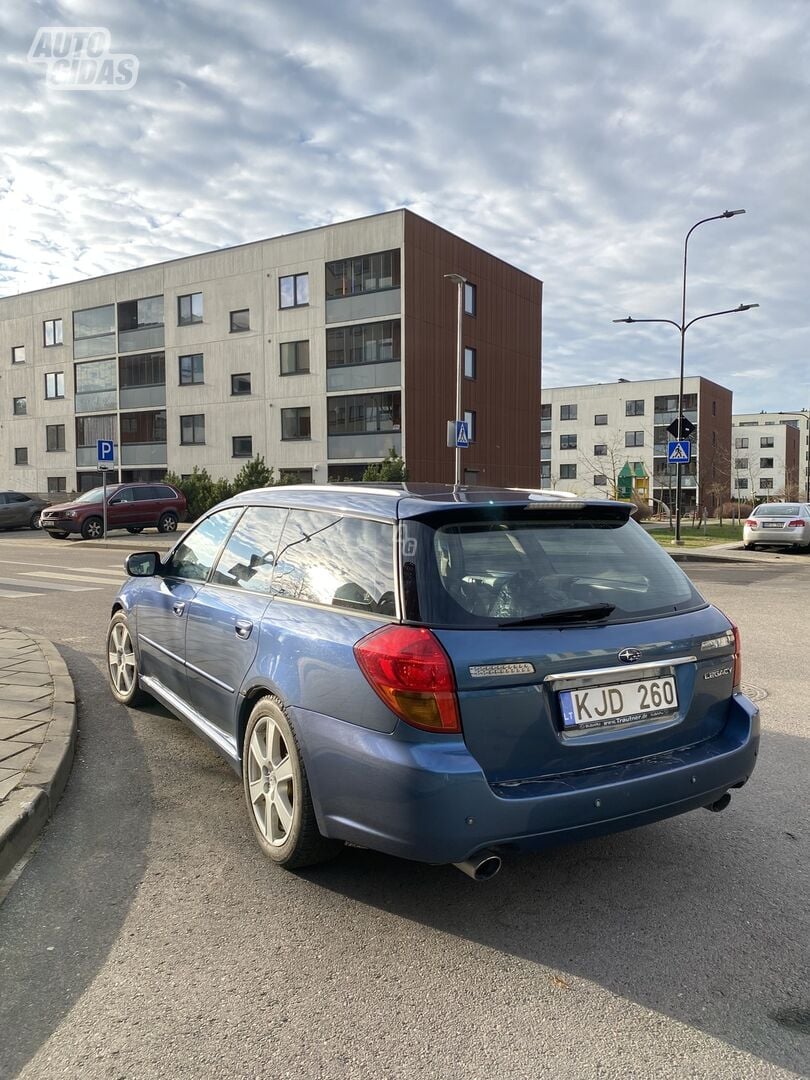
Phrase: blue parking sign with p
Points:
(106, 450)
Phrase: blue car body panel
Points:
(515, 777)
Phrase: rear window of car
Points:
(481, 569)
(778, 510)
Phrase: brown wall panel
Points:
(506, 334)
(714, 458)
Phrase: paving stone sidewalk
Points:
(37, 738)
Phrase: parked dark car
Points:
(133, 507)
(20, 511)
(440, 674)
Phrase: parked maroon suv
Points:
(133, 507)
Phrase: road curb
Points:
(28, 806)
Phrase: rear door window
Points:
(513, 565)
(346, 562)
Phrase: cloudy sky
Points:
(579, 139)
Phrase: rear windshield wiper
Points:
(591, 611)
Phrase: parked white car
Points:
(778, 525)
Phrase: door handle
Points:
(179, 607)
(243, 628)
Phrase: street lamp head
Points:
(732, 213)
(457, 279)
(628, 319)
(746, 307)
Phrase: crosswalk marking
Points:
(52, 586)
(5, 594)
(101, 579)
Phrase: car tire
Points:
(168, 522)
(34, 522)
(134, 528)
(749, 547)
(277, 792)
(122, 663)
(58, 535)
(93, 528)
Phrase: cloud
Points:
(579, 140)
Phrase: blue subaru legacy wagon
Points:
(444, 674)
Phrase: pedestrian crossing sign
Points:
(679, 452)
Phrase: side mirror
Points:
(142, 564)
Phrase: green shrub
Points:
(390, 469)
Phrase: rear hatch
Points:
(779, 522)
(576, 642)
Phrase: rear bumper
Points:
(425, 798)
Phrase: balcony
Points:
(95, 401)
(363, 447)
(364, 376)
(370, 305)
(141, 340)
(138, 397)
(143, 454)
(103, 345)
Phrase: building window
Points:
(470, 298)
(242, 446)
(568, 442)
(545, 411)
(469, 418)
(192, 430)
(293, 290)
(365, 343)
(94, 332)
(144, 428)
(741, 444)
(766, 463)
(766, 484)
(363, 414)
(190, 309)
(600, 450)
(20, 455)
(362, 274)
(240, 384)
(741, 463)
(545, 441)
(568, 412)
(766, 441)
(634, 408)
(568, 472)
(295, 423)
(56, 484)
(55, 384)
(545, 470)
(294, 357)
(714, 408)
(191, 369)
(742, 485)
(20, 406)
(470, 360)
(714, 438)
(295, 476)
(55, 436)
(143, 369)
(634, 438)
(599, 480)
(18, 354)
(52, 332)
(240, 320)
(600, 419)
(89, 429)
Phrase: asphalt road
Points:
(146, 936)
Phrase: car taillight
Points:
(737, 680)
(752, 524)
(797, 524)
(410, 671)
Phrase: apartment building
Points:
(771, 452)
(595, 438)
(320, 350)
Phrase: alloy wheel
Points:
(271, 782)
(121, 659)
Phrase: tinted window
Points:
(196, 555)
(15, 497)
(509, 564)
(125, 495)
(247, 561)
(144, 494)
(778, 510)
(326, 558)
(163, 492)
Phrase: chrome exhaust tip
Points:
(481, 867)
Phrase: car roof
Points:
(404, 500)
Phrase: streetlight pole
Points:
(682, 327)
(460, 282)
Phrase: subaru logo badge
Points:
(629, 656)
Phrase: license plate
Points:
(771, 524)
(618, 703)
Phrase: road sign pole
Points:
(104, 499)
